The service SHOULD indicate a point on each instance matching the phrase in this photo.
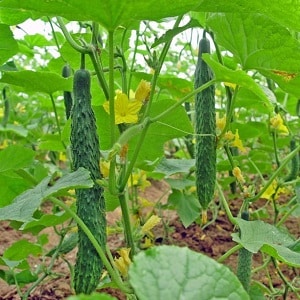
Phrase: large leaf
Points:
(257, 235)
(256, 41)
(8, 45)
(281, 11)
(187, 206)
(46, 82)
(170, 272)
(15, 157)
(173, 125)
(26, 204)
(109, 13)
(172, 166)
(240, 78)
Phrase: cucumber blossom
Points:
(90, 202)
(205, 130)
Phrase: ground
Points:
(213, 240)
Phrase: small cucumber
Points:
(68, 101)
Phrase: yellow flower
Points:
(123, 262)
(143, 91)
(237, 142)
(151, 222)
(237, 173)
(277, 123)
(147, 242)
(62, 156)
(1, 112)
(220, 122)
(4, 144)
(20, 108)
(143, 202)
(104, 167)
(139, 179)
(230, 84)
(229, 135)
(126, 111)
(272, 192)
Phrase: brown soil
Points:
(213, 240)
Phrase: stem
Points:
(274, 138)
(99, 71)
(115, 276)
(69, 38)
(111, 97)
(47, 272)
(229, 252)
(127, 224)
(133, 59)
(182, 100)
(225, 205)
(56, 119)
(54, 34)
(158, 69)
(135, 155)
(275, 174)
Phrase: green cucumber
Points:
(244, 262)
(68, 101)
(205, 119)
(90, 202)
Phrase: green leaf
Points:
(93, 296)
(256, 41)
(8, 45)
(21, 250)
(45, 221)
(257, 235)
(15, 157)
(23, 277)
(187, 206)
(280, 11)
(173, 125)
(68, 244)
(51, 142)
(170, 272)
(25, 205)
(240, 78)
(45, 82)
(170, 34)
(180, 183)
(16, 129)
(172, 166)
(11, 186)
(112, 201)
(109, 13)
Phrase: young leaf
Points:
(8, 45)
(15, 157)
(23, 207)
(46, 82)
(240, 78)
(170, 272)
(21, 250)
(187, 206)
(258, 235)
